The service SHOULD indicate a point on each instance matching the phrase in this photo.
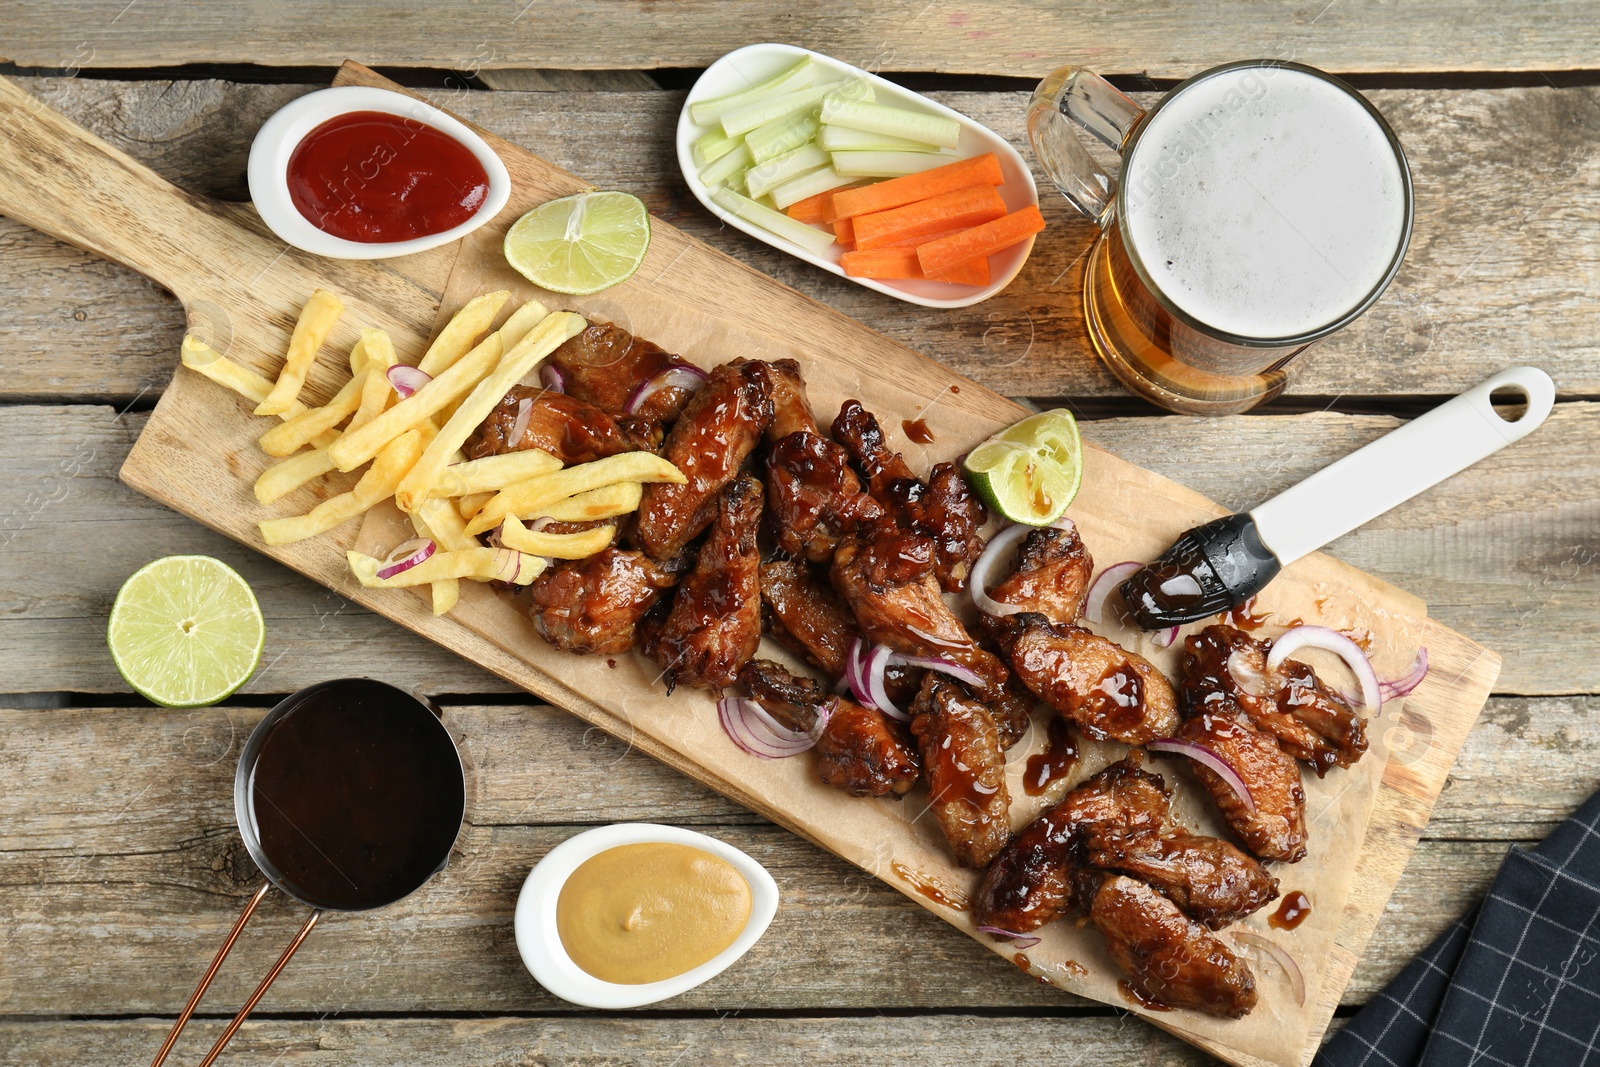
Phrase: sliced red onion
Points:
(998, 549)
(677, 376)
(1248, 677)
(1331, 641)
(552, 379)
(405, 556)
(1110, 578)
(1019, 940)
(964, 675)
(933, 639)
(852, 680)
(1203, 755)
(748, 726)
(877, 662)
(407, 379)
(520, 426)
(1164, 638)
(1403, 685)
(1297, 981)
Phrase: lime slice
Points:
(580, 244)
(1029, 472)
(186, 631)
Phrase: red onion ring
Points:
(407, 379)
(677, 376)
(1164, 638)
(877, 662)
(964, 675)
(1297, 981)
(757, 733)
(1403, 685)
(999, 547)
(520, 427)
(1019, 940)
(552, 379)
(1248, 678)
(1204, 756)
(1333, 641)
(405, 556)
(1113, 576)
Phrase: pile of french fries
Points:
(411, 448)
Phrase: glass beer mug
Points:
(1260, 207)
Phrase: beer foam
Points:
(1264, 201)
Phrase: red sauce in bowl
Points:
(377, 178)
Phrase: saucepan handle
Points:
(1068, 100)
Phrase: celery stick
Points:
(721, 169)
(744, 119)
(800, 75)
(797, 189)
(763, 177)
(844, 139)
(715, 145)
(782, 135)
(810, 238)
(894, 121)
(857, 89)
(887, 164)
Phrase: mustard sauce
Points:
(647, 912)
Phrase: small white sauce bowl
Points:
(754, 63)
(539, 942)
(279, 136)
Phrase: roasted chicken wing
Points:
(1274, 827)
(1113, 694)
(965, 768)
(606, 366)
(592, 606)
(1208, 879)
(805, 615)
(791, 410)
(1052, 575)
(714, 625)
(568, 428)
(717, 430)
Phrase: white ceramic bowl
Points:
(746, 66)
(546, 958)
(280, 134)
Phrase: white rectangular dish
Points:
(754, 63)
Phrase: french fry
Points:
(535, 495)
(604, 503)
(445, 524)
(470, 504)
(291, 436)
(316, 319)
(376, 485)
(555, 545)
(493, 473)
(446, 592)
(360, 445)
(463, 329)
(358, 355)
(376, 392)
(201, 357)
(283, 478)
(540, 341)
(525, 318)
(479, 564)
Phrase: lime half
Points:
(1029, 472)
(580, 244)
(186, 631)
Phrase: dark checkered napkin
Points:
(1517, 982)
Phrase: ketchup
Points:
(377, 178)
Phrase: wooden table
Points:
(119, 865)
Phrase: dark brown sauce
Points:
(917, 430)
(1025, 965)
(1148, 1003)
(1361, 636)
(1060, 755)
(356, 796)
(931, 889)
(1116, 701)
(1291, 912)
(1244, 616)
(950, 778)
(955, 388)
(1073, 967)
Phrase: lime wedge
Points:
(186, 631)
(580, 244)
(1029, 472)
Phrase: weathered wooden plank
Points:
(126, 821)
(1506, 553)
(983, 37)
(1499, 270)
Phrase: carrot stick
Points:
(810, 209)
(901, 263)
(962, 207)
(844, 232)
(972, 272)
(985, 239)
(897, 192)
(919, 239)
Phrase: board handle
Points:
(62, 180)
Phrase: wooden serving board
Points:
(243, 289)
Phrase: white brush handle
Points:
(1399, 465)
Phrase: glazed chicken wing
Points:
(606, 365)
(814, 498)
(1208, 879)
(1052, 575)
(791, 410)
(717, 430)
(1168, 957)
(965, 768)
(806, 616)
(943, 509)
(1225, 672)
(715, 622)
(1113, 694)
(568, 428)
(592, 606)
(1275, 828)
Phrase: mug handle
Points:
(1072, 97)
